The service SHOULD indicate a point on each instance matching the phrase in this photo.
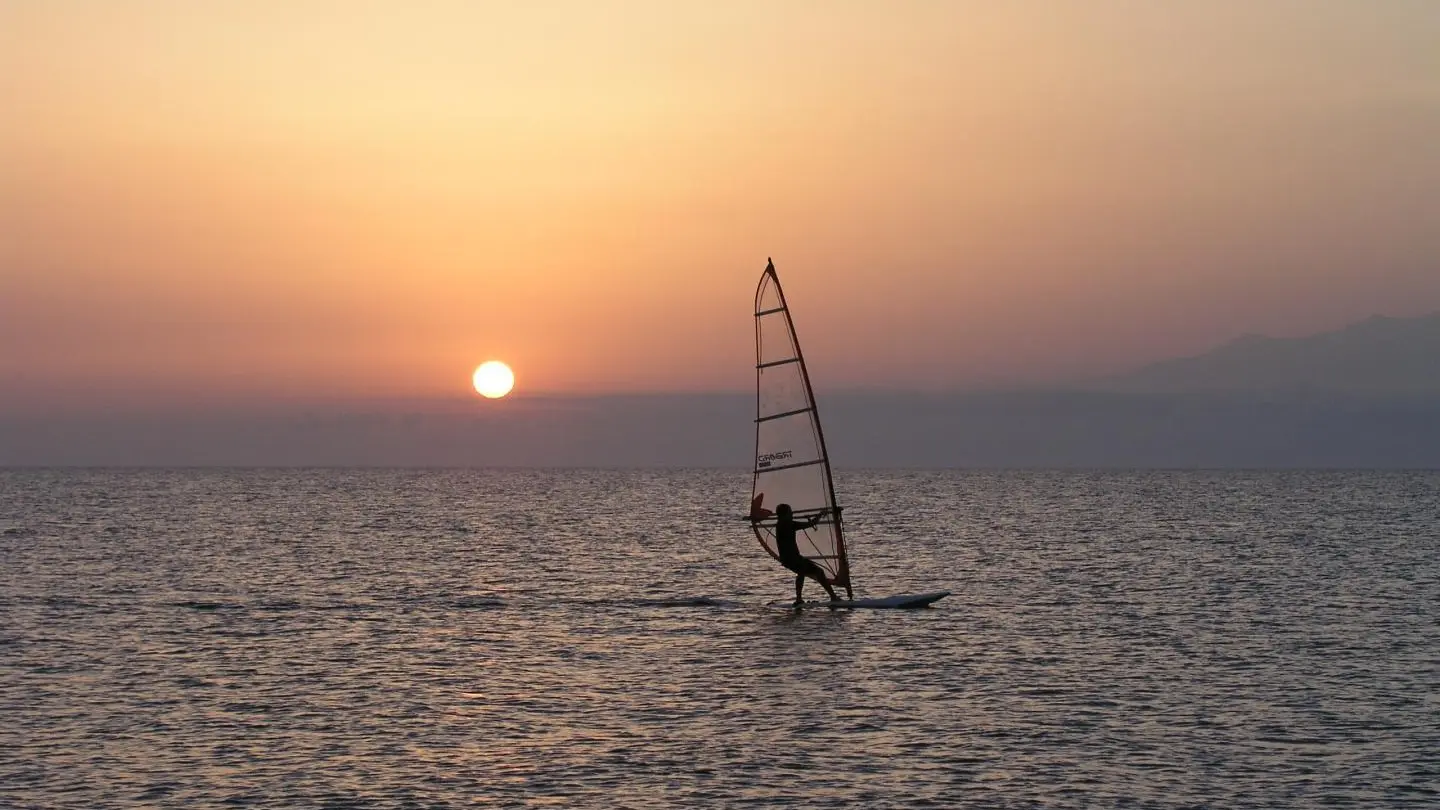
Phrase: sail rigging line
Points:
(783, 467)
(795, 412)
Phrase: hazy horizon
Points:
(1085, 429)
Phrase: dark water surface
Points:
(335, 638)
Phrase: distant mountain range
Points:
(1366, 396)
(1379, 356)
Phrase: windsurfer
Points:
(786, 528)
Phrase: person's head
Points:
(783, 512)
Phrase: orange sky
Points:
(369, 198)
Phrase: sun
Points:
(493, 379)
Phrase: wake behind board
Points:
(900, 601)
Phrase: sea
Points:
(409, 638)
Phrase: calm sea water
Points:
(335, 638)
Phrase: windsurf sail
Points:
(791, 464)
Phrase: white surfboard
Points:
(899, 602)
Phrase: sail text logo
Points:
(767, 459)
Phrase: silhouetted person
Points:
(786, 527)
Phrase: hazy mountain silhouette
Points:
(1378, 356)
(1364, 396)
(900, 429)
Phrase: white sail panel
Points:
(782, 391)
(774, 339)
(791, 465)
(786, 441)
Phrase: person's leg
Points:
(817, 573)
(820, 578)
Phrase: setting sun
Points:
(493, 379)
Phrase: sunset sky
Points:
(292, 199)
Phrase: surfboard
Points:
(897, 602)
(792, 465)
